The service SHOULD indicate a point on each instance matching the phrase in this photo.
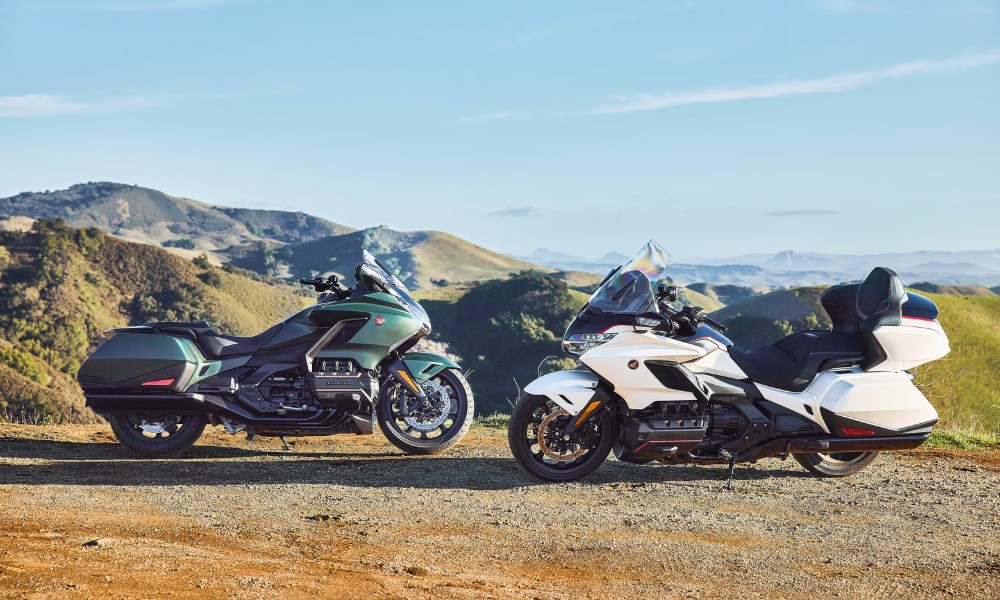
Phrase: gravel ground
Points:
(351, 517)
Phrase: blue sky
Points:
(717, 128)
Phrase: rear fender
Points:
(571, 390)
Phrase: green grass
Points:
(964, 386)
(962, 440)
(494, 421)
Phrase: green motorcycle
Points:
(337, 366)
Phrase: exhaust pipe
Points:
(858, 444)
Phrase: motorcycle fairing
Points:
(638, 386)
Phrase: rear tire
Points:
(141, 436)
(523, 436)
(835, 464)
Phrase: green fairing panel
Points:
(424, 365)
(372, 343)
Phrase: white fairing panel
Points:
(571, 390)
(913, 343)
(886, 400)
(716, 362)
(639, 387)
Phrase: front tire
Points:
(534, 438)
(419, 432)
(835, 464)
(160, 436)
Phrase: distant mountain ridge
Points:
(790, 268)
(153, 217)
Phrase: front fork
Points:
(397, 369)
(593, 410)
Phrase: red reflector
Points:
(851, 431)
(159, 382)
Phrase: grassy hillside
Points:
(954, 290)
(964, 386)
(61, 287)
(726, 294)
(503, 329)
(421, 259)
(764, 319)
(152, 217)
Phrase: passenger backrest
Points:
(880, 299)
(864, 306)
(841, 303)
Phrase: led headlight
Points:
(578, 343)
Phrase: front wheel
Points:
(160, 436)
(431, 426)
(835, 464)
(539, 444)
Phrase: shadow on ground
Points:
(91, 463)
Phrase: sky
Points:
(716, 128)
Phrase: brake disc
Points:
(563, 452)
(430, 414)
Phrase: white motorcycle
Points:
(664, 384)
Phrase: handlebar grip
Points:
(715, 325)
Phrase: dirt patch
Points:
(352, 517)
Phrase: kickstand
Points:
(285, 442)
(732, 468)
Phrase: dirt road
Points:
(351, 517)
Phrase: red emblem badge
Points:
(379, 320)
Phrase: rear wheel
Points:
(431, 426)
(539, 444)
(159, 436)
(835, 464)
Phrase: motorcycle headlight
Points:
(578, 343)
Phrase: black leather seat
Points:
(856, 311)
(793, 362)
(216, 345)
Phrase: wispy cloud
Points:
(43, 105)
(123, 6)
(853, 6)
(515, 212)
(824, 85)
(534, 36)
(959, 8)
(799, 213)
(492, 116)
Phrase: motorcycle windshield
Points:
(630, 289)
(395, 287)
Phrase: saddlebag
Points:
(141, 362)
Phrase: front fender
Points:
(571, 390)
(425, 365)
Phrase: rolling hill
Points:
(61, 287)
(280, 244)
(152, 217)
(421, 259)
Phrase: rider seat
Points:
(856, 310)
(213, 344)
